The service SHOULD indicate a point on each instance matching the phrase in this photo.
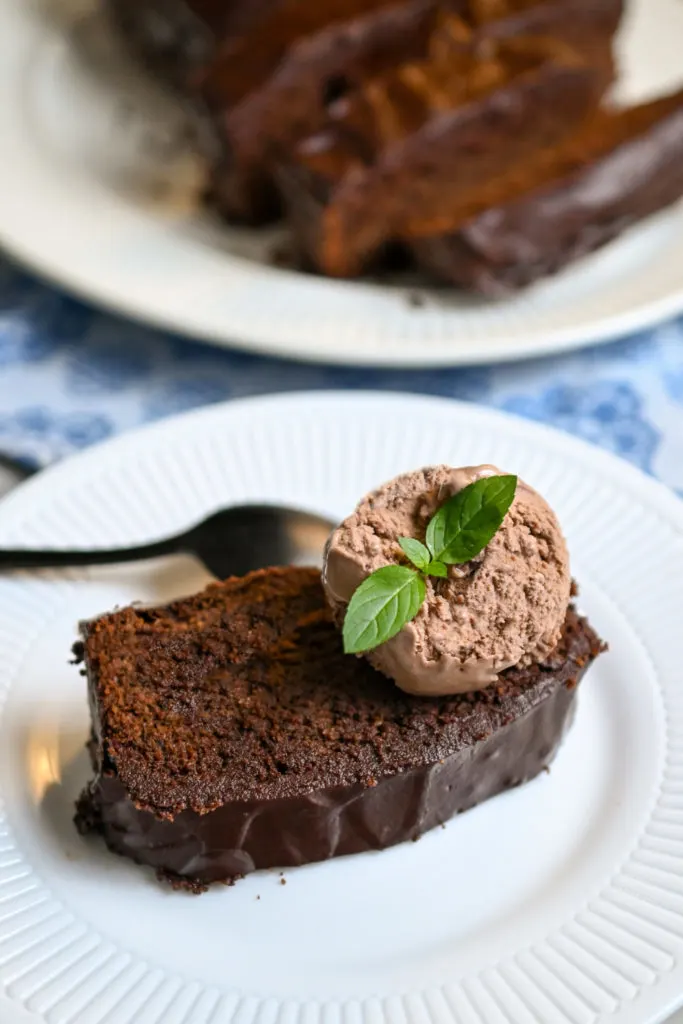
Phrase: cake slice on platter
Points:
(252, 127)
(236, 730)
(419, 145)
(570, 200)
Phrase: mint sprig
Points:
(470, 519)
(418, 554)
(382, 605)
(392, 596)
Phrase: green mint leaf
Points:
(381, 606)
(436, 569)
(468, 521)
(416, 552)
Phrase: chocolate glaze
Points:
(241, 837)
(593, 200)
(349, 764)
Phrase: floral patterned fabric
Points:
(71, 376)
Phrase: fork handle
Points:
(56, 559)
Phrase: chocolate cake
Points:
(231, 733)
(259, 77)
(569, 201)
(421, 144)
(292, 102)
(463, 135)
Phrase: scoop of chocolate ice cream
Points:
(504, 608)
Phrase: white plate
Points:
(559, 903)
(93, 196)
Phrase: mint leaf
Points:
(470, 519)
(381, 606)
(416, 552)
(436, 569)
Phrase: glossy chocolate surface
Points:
(239, 837)
(589, 204)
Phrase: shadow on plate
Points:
(68, 849)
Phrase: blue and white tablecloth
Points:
(71, 376)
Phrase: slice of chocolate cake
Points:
(570, 200)
(260, 76)
(231, 733)
(418, 145)
(291, 102)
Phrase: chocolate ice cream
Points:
(504, 608)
